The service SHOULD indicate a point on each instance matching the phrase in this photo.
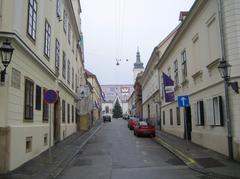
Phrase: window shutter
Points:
(195, 114)
(210, 114)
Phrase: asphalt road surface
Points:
(115, 153)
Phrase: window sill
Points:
(28, 120)
(185, 82)
(213, 64)
(197, 74)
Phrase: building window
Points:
(164, 118)
(76, 83)
(68, 113)
(72, 114)
(63, 111)
(73, 44)
(176, 72)
(38, 97)
(58, 9)
(16, 79)
(69, 34)
(45, 139)
(32, 18)
(45, 108)
(64, 65)
(178, 116)
(215, 111)
(65, 21)
(171, 116)
(28, 144)
(57, 56)
(199, 113)
(47, 39)
(72, 78)
(68, 72)
(28, 106)
(184, 64)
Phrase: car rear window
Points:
(142, 123)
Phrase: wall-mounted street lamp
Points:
(6, 51)
(225, 71)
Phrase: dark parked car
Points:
(106, 118)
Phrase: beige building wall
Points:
(199, 36)
(30, 62)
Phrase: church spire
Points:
(138, 64)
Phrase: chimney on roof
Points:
(183, 15)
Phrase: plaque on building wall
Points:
(16, 79)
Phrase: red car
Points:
(144, 129)
(132, 122)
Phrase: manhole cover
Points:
(174, 162)
(83, 162)
(209, 162)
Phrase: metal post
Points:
(160, 105)
(50, 135)
(229, 127)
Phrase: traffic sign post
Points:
(183, 101)
(51, 97)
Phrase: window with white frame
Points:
(184, 64)
(65, 19)
(176, 79)
(64, 65)
(199, 113)
(68, 72)
(214, 111)
(47, 39)
(58, 8)
(57, 55)
(32, 19)
(72, 78)
(69, 33)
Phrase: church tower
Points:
(138, 66)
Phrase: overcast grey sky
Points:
(115, 28)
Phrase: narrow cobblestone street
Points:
(114, 152)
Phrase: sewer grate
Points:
(174, 162)
(209, 162)
(83, 162)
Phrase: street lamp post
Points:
(224, 69)
(6, 51)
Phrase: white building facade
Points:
(193, 57)
(47, 55)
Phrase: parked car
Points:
(106, 118)
(142, 128)
(126, 116)
(132, 122)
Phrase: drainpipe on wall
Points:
(160, 105)
(228, 115)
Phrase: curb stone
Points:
(190, 162)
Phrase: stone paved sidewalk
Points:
(208, 162)
(62, 153)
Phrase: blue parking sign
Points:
(183, 101)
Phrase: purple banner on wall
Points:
(168, 88)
